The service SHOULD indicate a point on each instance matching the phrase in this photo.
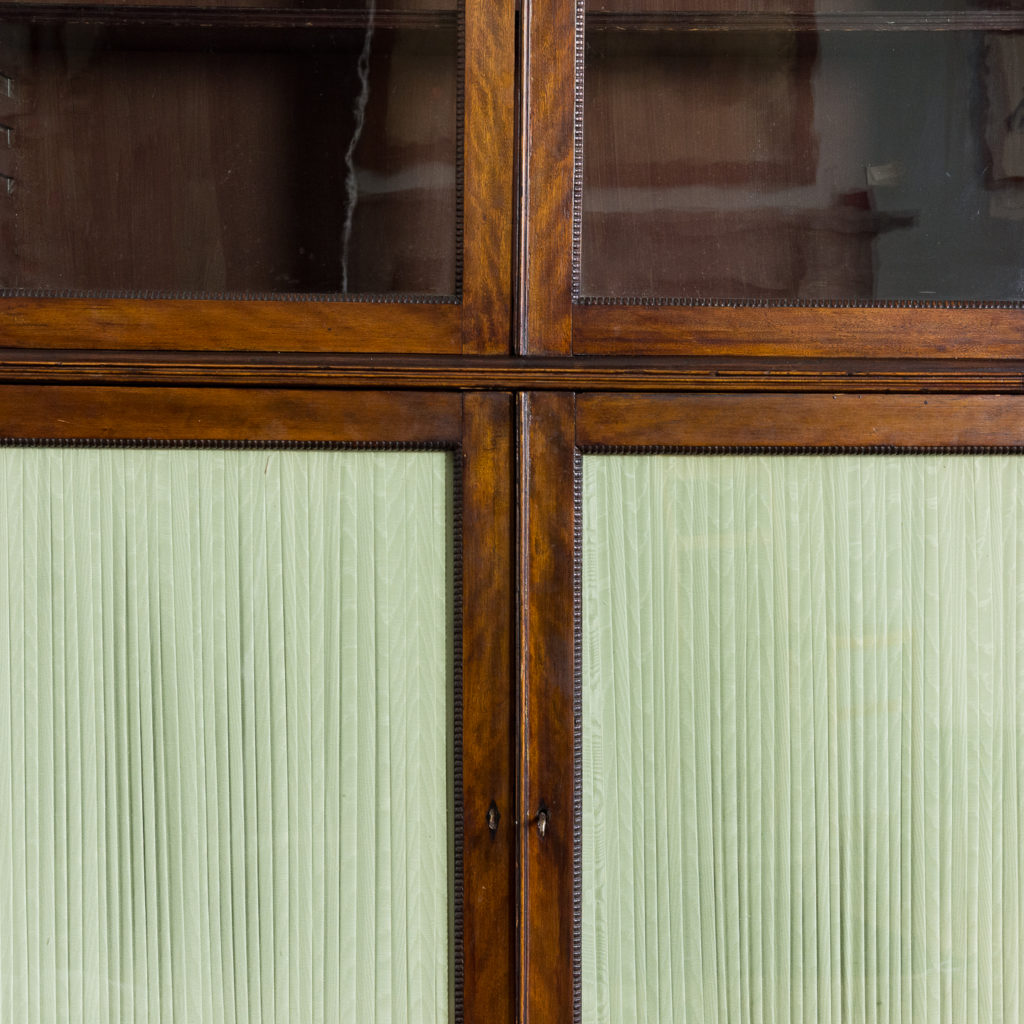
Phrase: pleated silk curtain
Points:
(803, 739)
(225, 736)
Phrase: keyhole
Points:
(542, 822)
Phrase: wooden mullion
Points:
(546, 238)
(487, 193)
(488, 696)
(547, 820)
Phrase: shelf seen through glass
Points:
(207, 151)
(792, 151)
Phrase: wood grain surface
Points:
(842, 420)
(212, 325)
(547, 739)
(534, 374)
(488, 199)
(798, 332)
(219, 414)
(547, 156)
(488, 699)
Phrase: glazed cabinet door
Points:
(778, 755)
(256, 743)
(776, 177)
(289, 176)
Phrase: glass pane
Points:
(211, 152)
(803, 739)
(685, 8)
(797, 151)
(225, 736)
(210, 7)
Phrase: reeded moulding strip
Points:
(826, 21)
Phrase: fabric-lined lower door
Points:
(803, 738)
(226, 737)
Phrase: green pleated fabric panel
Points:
(225, 736)
(803, 739)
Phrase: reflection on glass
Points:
(786, 151)
(200, 152)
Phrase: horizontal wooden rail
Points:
(511, 374)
